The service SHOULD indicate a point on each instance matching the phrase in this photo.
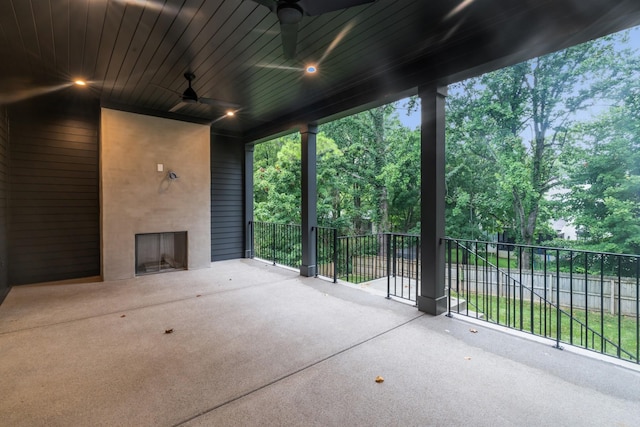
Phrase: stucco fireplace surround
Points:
(154, 178)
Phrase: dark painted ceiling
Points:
(135, 52)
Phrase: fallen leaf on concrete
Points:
(124, 315)
(168, 331)
(379, 379)
(467, 358)
(474, 331)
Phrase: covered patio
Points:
(86, 170)
(174, 95)
(254, 344)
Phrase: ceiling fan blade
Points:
(178, 106)
(313, 8)
(289, 33)
(218, 103)
(271, 4)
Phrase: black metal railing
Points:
(362, 258)
(327, 252)
(403, 265)
(582, 298)
(372, 257)
(278, 243)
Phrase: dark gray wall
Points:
(227, 198)
(4, 177)
(54, 200)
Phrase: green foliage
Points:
(509, 130)
(277, 178)
(368, 172)
(401, 176)
(380, 174)
(604, 179)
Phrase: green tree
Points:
(401, 176)
(517, 120)
(604, 178)
(475, 205)
(364, 140)
(277, 179)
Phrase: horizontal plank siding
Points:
(4, 178)
(227, 198)
(54, 212)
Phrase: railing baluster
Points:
(558, 313)
(476, 274)
(335, 255)
(274, 244)
(449, 262)
(586, 296)
(498, 283)
(544, 283)
(530, 292)
(602, 304)
(637, 309)
(417, 258)
(619, 306)
(346, 255)
(571, 297)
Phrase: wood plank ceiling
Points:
(134, 52)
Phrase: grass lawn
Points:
(588, 329)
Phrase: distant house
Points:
(564, 229)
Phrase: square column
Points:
(248, 201)
(309, 214)
(433, 298)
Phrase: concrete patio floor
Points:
(254, 344)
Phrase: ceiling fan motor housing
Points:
(189, 95)
(289, 13)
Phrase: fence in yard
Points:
(583, 298)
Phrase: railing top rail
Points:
(546, 248)
(349, 236)
(453, 239)
(381, 234)
(402, 234)
(289, 224)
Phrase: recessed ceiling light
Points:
(80, 82)
(311, 69)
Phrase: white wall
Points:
(136, 198)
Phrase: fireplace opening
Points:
(161, 252)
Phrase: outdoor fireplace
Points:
(161, 252)
(151, 223)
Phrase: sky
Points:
(412, 120)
